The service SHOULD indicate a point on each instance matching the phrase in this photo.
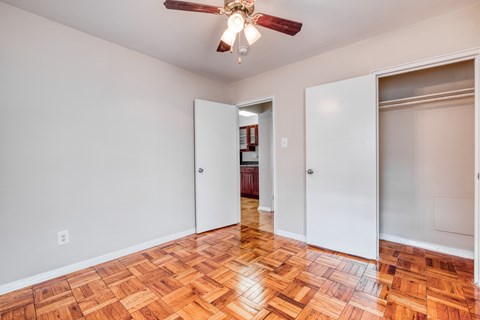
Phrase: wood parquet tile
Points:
(254, 218)
(241, 272)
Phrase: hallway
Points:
(254, 218)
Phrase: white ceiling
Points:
(189, 40)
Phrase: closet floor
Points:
(244, 273)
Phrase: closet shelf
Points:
(443, 96)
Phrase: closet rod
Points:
(444, 96)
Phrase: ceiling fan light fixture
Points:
(229, 37)
(241, 16)
(236, 22)
(251, 33)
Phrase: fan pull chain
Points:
(238, 52)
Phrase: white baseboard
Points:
(429, 246)
(265, 209)
(291, 235)
(44, 276)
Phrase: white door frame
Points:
(274, 117)
(472, 54)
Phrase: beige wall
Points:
(426, 159)
(84, 123)
(426, 173)
(265, 147)
(456, 31)
(94, 138)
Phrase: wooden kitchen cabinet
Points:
(253, 135)
(248, 137)
(249, 183)
(243, 138)
(256, 184)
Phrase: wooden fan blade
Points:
(223, 47)
(278, 24)
(190, 6)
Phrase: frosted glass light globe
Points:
(229, 37)
(236, 22)
(252, 34)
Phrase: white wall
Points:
(247, 121)
(452, 32)
(250, 156)
(94, 138)
(450, 77)
(426, 173)
(265, 145)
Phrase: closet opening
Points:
(426, 158)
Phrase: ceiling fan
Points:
(241, 16)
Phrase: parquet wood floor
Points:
(243, 273)
(254, 218)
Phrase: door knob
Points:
(200, 170)
(310, 171)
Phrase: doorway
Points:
(256, 165)
(451, 59)
(426, 158)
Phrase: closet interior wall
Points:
(426, 156)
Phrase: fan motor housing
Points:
(246, 6)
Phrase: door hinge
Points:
(478, 176)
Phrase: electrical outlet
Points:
(63, 237)
(284, 142)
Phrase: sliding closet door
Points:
(341, 166)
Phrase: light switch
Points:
(284, 142)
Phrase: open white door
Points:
(341, 166)
(477, 172)
(217, 193)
